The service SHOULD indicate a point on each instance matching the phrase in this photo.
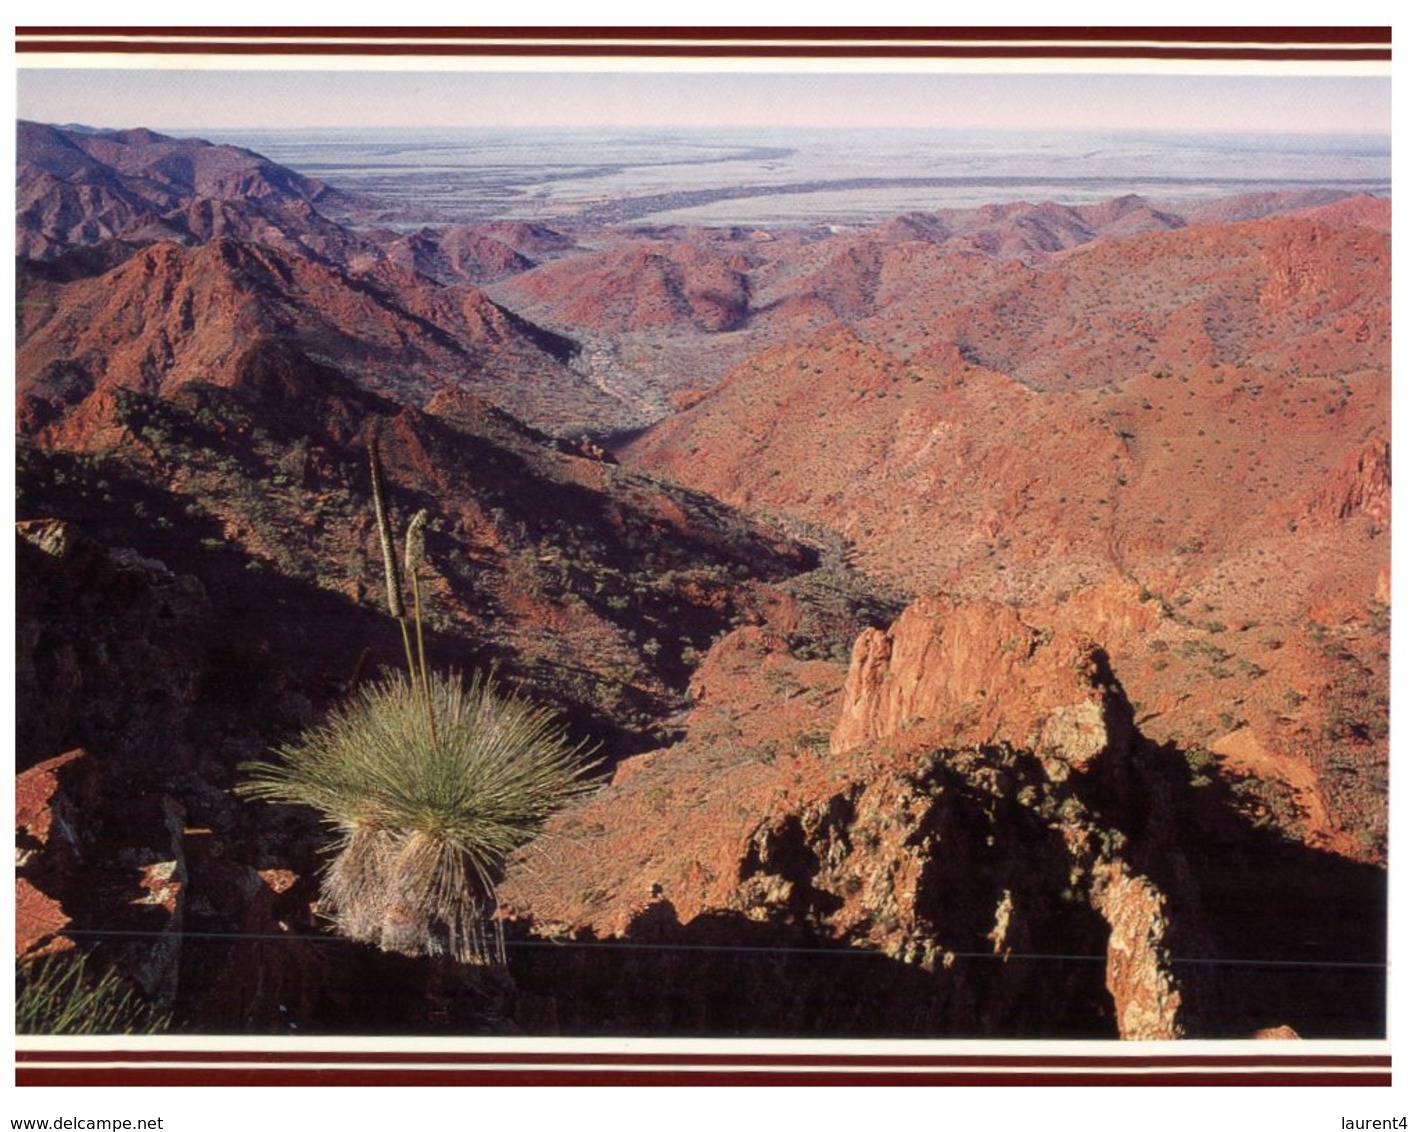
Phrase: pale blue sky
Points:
(193, 99)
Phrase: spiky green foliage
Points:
(58, 994)
(426, 817)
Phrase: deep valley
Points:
(980, 616)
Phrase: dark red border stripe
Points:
(1368, 36)
(1233, 43)
(162, 1076)
(703, 50)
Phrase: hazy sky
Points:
(193, 99)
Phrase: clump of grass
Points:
(424, 819)
(429, 782)
(58, 994)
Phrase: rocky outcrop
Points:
(1361, 486)
(941, 867)
(136, 892)
(99, 872)
(1023, 900)
(1022, 700)
(51, 801)
(108, 651)
(110, 662)
(980, 673)
(987, 824)
(1146, 989)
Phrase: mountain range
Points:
(1000, 581)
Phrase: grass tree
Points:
(428, 781)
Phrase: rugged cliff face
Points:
(1050, 757)
(108, 649)
(988, 846)
(1152, 836)
(984, 672)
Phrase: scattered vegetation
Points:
(61, 994)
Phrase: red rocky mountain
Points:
(75, 188)
(456, 255)
(1182, 437)
(989, 640)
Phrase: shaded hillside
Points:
(596, 583)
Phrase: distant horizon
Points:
(773, 176)
(189, 130)
(171, 99)
(670, 128)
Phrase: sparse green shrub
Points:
(816, 739)
(1203, 765)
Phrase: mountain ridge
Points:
(946, 593)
